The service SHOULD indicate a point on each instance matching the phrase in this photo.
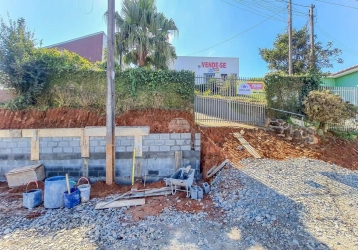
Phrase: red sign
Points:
(256, 86)
(213, 65)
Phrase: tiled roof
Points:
(345, 70)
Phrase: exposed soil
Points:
(219, 144)
(157, 119)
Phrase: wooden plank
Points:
(215, 169)
(247, 145)
(138, 142)
(12, 133)
(178, 156)
(120, 131)
(85, 147)
(121, 203)
(53, 132)
(35, 146)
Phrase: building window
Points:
(223, 77)
(208, 76)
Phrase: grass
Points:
(351, 136)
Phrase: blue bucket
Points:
(73, 199)
(32, 198)
(54, 188)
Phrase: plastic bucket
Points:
(85, 190)
(32, 198)
(54, 189)
(73, 199)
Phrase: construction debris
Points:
(216, 169)
(124, 203)
(136, 194)
(247, 145)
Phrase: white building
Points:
(220, 67)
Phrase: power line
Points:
(265, 15)
(235, 35)
(293, 3)
(337, 4)
(331, 37)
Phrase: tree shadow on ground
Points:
(346, 179)
(264, 219)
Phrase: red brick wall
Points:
(90, 47)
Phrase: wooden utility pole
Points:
(312, 36)
(110, 122)
(290, 66)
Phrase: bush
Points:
(134, 89)
(324, 107)
(288, 92)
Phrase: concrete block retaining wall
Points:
(61, 155)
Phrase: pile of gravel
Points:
(292, 204)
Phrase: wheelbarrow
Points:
(182, 178)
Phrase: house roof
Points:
(345, 71)
(75, 39)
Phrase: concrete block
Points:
(43, 144)
(159, 142)
(121, 149)
(92, 149)
(54, 138)
(68, 149)
(175, 136)
(169, 142)
(197, 136)
(63, 144)
(197, 142)
(197, 148)
(154, 136)
(125, 142)
(74, 144)
(17, 150)
(185, 148)
(52, 144)
(2, 144)
(179, 142)
(11, 145)
(76, 149)
(164, 136)
(46, 150)
(22, 144)
(103, 143)
(145, 148)
(153, 148)
(148, 142)
(174, 148)
(164, 148)
(99, 149)
(93, 143)
(57, 150)
(5, 150)
(185, 136)
(26, 150)
(129, 149)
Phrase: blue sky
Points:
(203, 24)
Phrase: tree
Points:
(17, 45)
(142, 35)
(26, 68)
(324, 107)
(277, 57)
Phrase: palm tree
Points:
(142, 35)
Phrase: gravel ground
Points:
(292, 204)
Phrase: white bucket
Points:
(85, 190)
